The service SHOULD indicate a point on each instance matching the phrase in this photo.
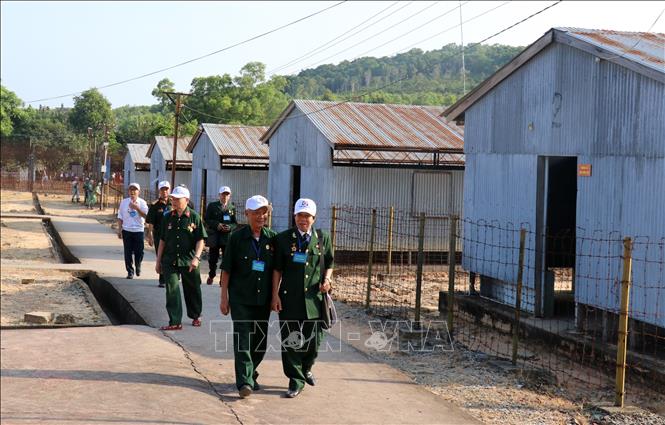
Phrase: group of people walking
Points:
(90, 189)
(261, 271)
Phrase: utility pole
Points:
(461, 30)
(178, 106)
(103, 167)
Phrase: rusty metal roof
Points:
(138, 153)
(645, 48)
(382, 133)
(165, 145)
(234, 141)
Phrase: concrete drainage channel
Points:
(115, 306)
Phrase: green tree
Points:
(10, 111)
(91, 109)
(165, 105)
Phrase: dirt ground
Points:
(492, 391)
(25, 243)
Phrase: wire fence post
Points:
(371, 258)
(333, 227)
(452, 248)
(419, 267)
(623, 322)
(391, 218)
(518, 295)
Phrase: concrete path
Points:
(140, 374)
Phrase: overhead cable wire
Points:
(240, 43)
(323, 47)
(368, 38)
(360, 96)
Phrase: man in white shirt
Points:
(131, 223)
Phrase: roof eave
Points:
(268, 134)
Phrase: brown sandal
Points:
(171, 328)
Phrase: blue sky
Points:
(54, 48)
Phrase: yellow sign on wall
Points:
(584, 170)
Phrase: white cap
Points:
(224, 189)
(136, 185)
(163, 183)
(180, 192)
(305, 205)
(256, 202)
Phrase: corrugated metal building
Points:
(571, 134)
(228, 155)
(363, 155)
(160, 153)
(137, 165)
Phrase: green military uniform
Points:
(179, 236)
(249, 298)
(154, 217)
(301, 299)
(217, 214)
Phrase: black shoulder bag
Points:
(328, 312)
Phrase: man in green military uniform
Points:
(246, 286)
(221, 220)
(154, 219)
(297, 287)
(182, 239)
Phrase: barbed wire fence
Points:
(551, 303)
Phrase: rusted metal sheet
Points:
(138, 153)
(645, 48)
(236, 141)
(165, 145)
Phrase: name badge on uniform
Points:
(258, 266)
(227, 217)
(300, 257)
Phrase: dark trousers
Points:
(191, 287)
(250, 337)
(156, 242)
(300, 346)
(213, 258)
(133, 244)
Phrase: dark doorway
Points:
(295, 188)
(560, 226)
(204, 191)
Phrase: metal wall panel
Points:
(571, 104)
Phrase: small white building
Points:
(228, 155)
(160, 153)
(364, 155)
(137, 165)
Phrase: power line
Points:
(321, 48)
(368, 38)
(199, 57)
(360, 96)
(412, 30)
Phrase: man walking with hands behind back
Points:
(221, 220)
(131, 222)
(182, 239)
(155, 217)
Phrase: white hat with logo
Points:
(224, 189)
(136, 185)
(305, 205)
(163, 184)
(256, 202)
(180, 192)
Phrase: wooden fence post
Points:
(623, 322)
(333, 227)
(371, 258)
(452, 249)
(419, 267)
(518, 295)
